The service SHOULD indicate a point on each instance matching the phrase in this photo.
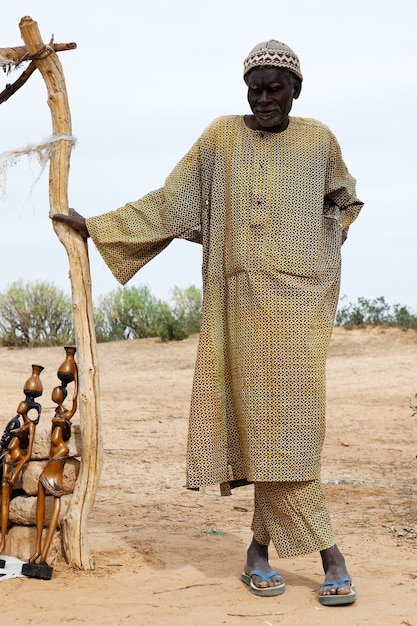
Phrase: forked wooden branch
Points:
(13, 87)
(15, 56)
(18, 54)
(75, 522)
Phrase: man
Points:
(270, 199)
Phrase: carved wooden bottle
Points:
(33, 387)
(68, 369)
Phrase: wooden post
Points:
(75, 522)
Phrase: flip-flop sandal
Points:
(338, 599)
(262, 591)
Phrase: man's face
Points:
(270, 96)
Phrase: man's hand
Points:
(74, 220)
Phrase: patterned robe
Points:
(268, 209)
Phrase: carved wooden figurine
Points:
(18, 436)
(51, 479)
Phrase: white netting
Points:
(41, 151)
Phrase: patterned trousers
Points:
(293, 515)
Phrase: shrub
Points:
(167, 326)
(374, 312)
(188, 308)
(35, 314)
(133, 312)
(126, 313)
(404, 317)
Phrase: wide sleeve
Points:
(341, 186)
(132, 235)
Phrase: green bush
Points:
(133, 313)
(374, 312)
(188, 308)
(183, 318)
(35, 314)
(167, 326)
(126, 313)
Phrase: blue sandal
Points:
(262, 591)
(338, 599)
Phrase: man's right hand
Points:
(74, 220)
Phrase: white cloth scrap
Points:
(12, 568)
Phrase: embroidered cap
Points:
(274, 54)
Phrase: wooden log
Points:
(75, 522)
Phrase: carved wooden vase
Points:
(33, 387)
(68, 369)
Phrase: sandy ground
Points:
(164, 555)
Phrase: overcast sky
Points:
(148, 77)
